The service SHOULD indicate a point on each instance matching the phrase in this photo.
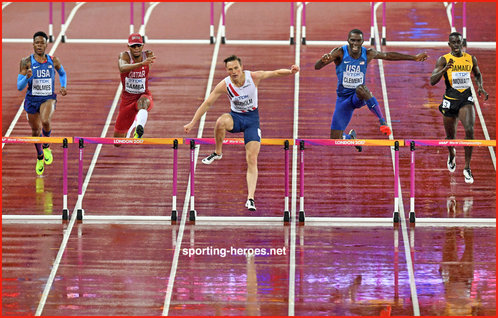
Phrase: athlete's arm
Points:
(478, 76)
(395, 56)
(125, 65)
(62, 75)
(440, 69)
(333, 56)
(261, 75)
(25, 73)
(219, 90)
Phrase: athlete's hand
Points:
(149, 60)
(449, 64)
(188, 127)
(63, 91)
(421, 57)
(29, 73)
(481, 90)
(327, 57)
(294, 69)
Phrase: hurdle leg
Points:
(223, 23)
(292, 24)
(286, 200)
(80, 211)
(412, 182)
(132, 28)
(50, 23)
(142, 26)
(396, 185)
(303, 27)
(383, 23)
(372, 35)
(193, 213)
(464, 32)
(175, 176)
(301, 181)
(453, 29)
(63, 24)
(211, 26)
(65, 211)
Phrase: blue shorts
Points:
(32, 103)
(247, 123)
(344, 107)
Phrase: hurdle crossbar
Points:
(128, 141)
(436, 142)
(235, 141)
(349, 142)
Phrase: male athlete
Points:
(458, 103)
(241, 88)
(136, 99)
(37, 72)
(351, 63)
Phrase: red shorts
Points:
(128, 110)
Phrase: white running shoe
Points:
(212, 157)
(451, 164)
(468, 176)
(250, 205)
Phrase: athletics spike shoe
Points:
(212, 157)
(468, 176)
(139, 132)
(451, 163)
(352, 133)
(40, 166)
(250, 205)
(47, 154)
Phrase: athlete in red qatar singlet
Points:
(136, 99)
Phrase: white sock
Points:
(142, 117)
(132, 128)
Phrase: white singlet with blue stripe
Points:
(245, 98)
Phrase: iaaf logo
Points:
(443, 142)
(350, 142)
(233, 142)
(128, 141)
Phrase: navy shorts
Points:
(344, 107)
(247, 123)
(451, 107)
(32, 103)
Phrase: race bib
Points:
(135, 85)
(352, 79)
(41, 87)
(460, 80)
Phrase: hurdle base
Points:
(465, 42)
(79, 214)
(384, 41)
(303, 42)
(291, 41)
(396, 217)
(301, 216)
(372, 41)
(65, 214)
(63, 39)
(173, 215)
(51, 39)
(223, 40)
(286, 216)
(412, 217)
(211, 40)
(192, 215)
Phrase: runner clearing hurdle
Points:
(242, 90)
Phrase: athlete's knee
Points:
(225, 121)
(143, 103)
(252, 159)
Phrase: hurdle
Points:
(372, 24)
(349, 142)
(126, 141)
(464, 21)
(53, 140)
(290, 41)
(237, 141)
(446, 143)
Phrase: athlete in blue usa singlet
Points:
(351, 62)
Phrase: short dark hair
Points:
(455, 34)
(40, 33)
(232, 58)
(356, 31)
